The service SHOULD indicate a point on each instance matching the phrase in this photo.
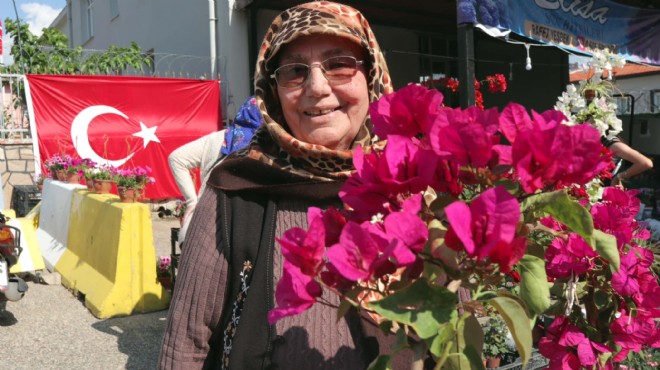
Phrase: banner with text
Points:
(122, 121)
(581, 25)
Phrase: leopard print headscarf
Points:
(273, 142)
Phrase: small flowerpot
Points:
(72, 178)
(165, 281)
(90, 184)
(40, 187)
(102, 186)
(127, 195)
(589, 94)
(493, 362)
(61, 175)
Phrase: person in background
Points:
(206, 151)
(639, 162)
(318, 69)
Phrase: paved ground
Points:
(51, 329)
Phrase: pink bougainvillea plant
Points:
(456, 202)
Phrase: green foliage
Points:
(50, 54)
(434, 305)
(495, 333)
(534, 289)
(647, 359)
(517, 319)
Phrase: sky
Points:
(38, 14)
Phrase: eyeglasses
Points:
(335, 69)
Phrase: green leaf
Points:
(381, 363)
(564, 209)
(517, 319)
(605, 245)
(534, 289)
(445, 337)
(474, 340)
(466, 346)
(421, 306)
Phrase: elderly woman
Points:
(318, 69)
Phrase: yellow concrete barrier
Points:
(30, 258)
(110, 256)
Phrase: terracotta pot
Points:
(127, 195)
(40, 187)
(61, 175)
(493, 362)
(90, 184)
(589, 95)
(102, 186)
(165, 281)
(72, 178)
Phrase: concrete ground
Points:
(51, 329)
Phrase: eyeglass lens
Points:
(335, 69)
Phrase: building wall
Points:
(177, 31)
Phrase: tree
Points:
(50, 54)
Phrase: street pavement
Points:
(51, 329)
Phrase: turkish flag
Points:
(124, 121)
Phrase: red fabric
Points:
(181, 109)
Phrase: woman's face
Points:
(323, 112)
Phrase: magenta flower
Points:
(625, 280)
(304, 249)
(550, 152)
(563, 341)
(295, 293)
(587, 350)
(406, 230)
(359, 252)
(407, 112)
(333, 222)
(465, 137)
(631, 332)
(381, 176)
(487, 227)
(615, 221)
(564, 257)
(560, 355)
(513, 119)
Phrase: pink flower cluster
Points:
(464, 156)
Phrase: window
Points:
(655, 101)
(87, 19)
(622, 105)
(114, 8)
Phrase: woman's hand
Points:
(616, 181)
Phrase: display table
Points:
(104, 250)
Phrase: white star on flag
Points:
(148, 134)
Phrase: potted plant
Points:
(131, 181)
(163, 271)
(102, 177)
(55, 166)
(73, 168)
(87, 168)
(495, 335)
(39, 180)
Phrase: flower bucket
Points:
(72, 178)
(127, 195)
(102, 186)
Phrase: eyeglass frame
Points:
(317, 64)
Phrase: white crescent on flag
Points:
(80, 138)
